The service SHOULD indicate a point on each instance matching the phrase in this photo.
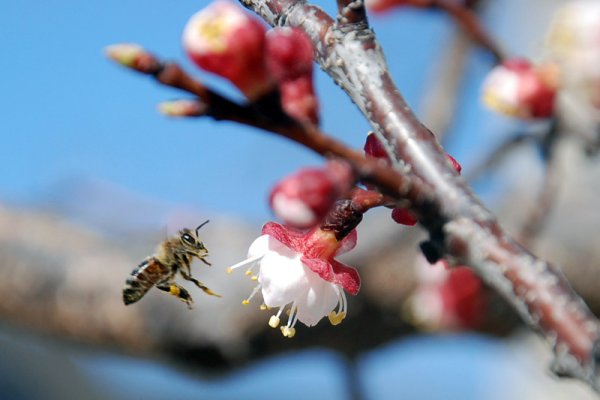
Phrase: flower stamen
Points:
(274, 320)
(249, 261)
(254, 291)
(336, 317)
(289, 331)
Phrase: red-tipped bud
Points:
(464, 297)
(304, 198)
(519, 89)
(133, 56)
(403, 217)
(290, 61)
(289, 53)
(455, 163)
(447, 298)
(374, 149)
(225, 40)
(182, 108)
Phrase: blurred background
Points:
(92, 178)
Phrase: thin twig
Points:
(469, 21)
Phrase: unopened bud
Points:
(182, 108)
(225, 40)
(132, 56)
(374, 149)
(304, 198)
(519, 89)
(290, 61)
(404, 217)
(454, 163)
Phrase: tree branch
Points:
(459, 224)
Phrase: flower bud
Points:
(225, 40)
(447, 298)
(519, 89)
(403, 217)
(454, 163)
(182, 108)
(290, 60)
(573, 46)
(304, 198)
(132, 56)
(375, 150)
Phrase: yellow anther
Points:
(254, 277)
(245, 302)
(336, 318)
(248, 272)
(274, 321)
(288, 332)
(229, 270)
(263, 307)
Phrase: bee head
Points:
(191, 242)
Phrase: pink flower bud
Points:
(290, 53)
(225, 40)
(519, 89)
(374, 149)
(464, 298)
(404, 217)
(455, 163)
(447, 298)
(290, 61)
(304, 198)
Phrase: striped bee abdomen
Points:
(149, 273)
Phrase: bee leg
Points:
(177, 291)
(201, 285)
(205, 262)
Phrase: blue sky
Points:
(68, 113)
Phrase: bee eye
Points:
(188, 239)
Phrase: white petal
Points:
(318, 301)
(282, 277)
(259, 247)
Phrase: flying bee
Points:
(173, 255)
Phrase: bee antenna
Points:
(201, 225)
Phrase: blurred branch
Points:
(465, 16)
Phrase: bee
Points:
(173, 255)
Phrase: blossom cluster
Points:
(294, 264)
(568, 68)
(226, 41)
